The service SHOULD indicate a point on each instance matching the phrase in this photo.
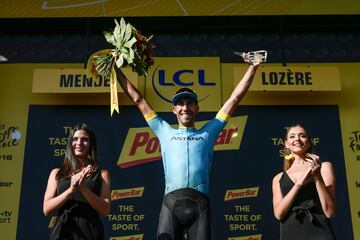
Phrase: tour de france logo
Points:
(9, 136)
(354, 143)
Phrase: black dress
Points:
(305, 219)
(83, 221)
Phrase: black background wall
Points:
(289, 39)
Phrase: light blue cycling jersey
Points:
(187, 152)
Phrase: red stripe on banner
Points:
(137, 162)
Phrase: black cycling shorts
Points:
(185, 210)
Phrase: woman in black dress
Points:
(78, 190)
(304, 193)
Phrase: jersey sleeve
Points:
(224, 117)
(216, 125)
(159, 126)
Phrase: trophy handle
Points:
(253, 57)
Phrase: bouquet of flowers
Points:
(131, 49)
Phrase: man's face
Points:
(185, 111)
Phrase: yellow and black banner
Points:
(73, 80)
(292, 78)
(247, 155)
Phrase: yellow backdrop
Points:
(16, 95)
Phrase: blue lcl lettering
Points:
(201, 77)
(162, 80)
(178, 81)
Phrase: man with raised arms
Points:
(187, 156)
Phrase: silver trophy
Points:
(254, 56)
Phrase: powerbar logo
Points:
(252, 237)
(132, 237)
(142, 146)
(241, 193)
(127, 193)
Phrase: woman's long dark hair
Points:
(288, 159)
(71, 163)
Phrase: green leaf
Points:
(116, 22)
(128, 57)
(150, 38)
(116, 34)
(122, 31)
(130, 43)
(109, 37)
(120, 61)
(132, 55)
(122, 23)
(128, 33)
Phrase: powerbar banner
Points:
(247, 155)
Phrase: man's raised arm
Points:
(133, 93)
(241, 88)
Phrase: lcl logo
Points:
(180, 78)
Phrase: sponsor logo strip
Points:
(132, 237)
(252, 237)
(127, 193)
(241, 193)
